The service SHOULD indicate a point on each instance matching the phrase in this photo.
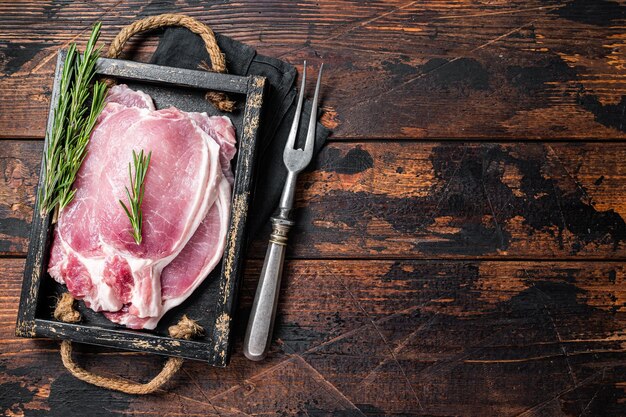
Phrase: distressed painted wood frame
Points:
(214, 349)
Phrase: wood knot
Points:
(65, 311)
(186, 328)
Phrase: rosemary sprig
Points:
(135, 195)
(73, 121)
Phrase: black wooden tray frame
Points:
(216, 351)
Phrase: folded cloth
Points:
(178, 47)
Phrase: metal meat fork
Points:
(261, 322)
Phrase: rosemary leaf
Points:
(135, 194)
(73, 120)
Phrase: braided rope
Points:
(218, 62)
(185, 329)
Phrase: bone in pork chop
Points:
(186, 208)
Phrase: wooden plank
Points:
(374, 338)
(237, 237)
(423, 200)
(176, 76)
(431, 200)
(19, 163)
(520, 69)
(39, 238)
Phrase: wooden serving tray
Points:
(212, 303)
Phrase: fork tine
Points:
(293, 133)
(310, 136)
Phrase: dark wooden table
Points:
(461, 242)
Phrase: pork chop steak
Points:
(187, 271)
(185, 210)
(220, 129)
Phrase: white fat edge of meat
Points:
(138, 299)
(125, 89)
(136, 265)
(151, 324)
(203, 196)
(146, 98)
(213, 174)
(224, 209)
(224, 216)
(230, 122)
(55, 271)
(105, 299)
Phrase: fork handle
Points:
(261, 321)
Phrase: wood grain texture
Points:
(374, 338)
(425, 200)
(426, 278)
(513, 69)
(19, 164)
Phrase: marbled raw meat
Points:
(186, 272)
(93, 252)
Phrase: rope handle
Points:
(185, 329)
(218, 62)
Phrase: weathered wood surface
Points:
(423, 200)
(424, 69)
(375, 338)
(426, 277)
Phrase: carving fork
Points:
(261, 322)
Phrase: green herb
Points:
(73, 120)
(135, 196)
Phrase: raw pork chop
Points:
(187, 271)
(93, 252)
(220, 129)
